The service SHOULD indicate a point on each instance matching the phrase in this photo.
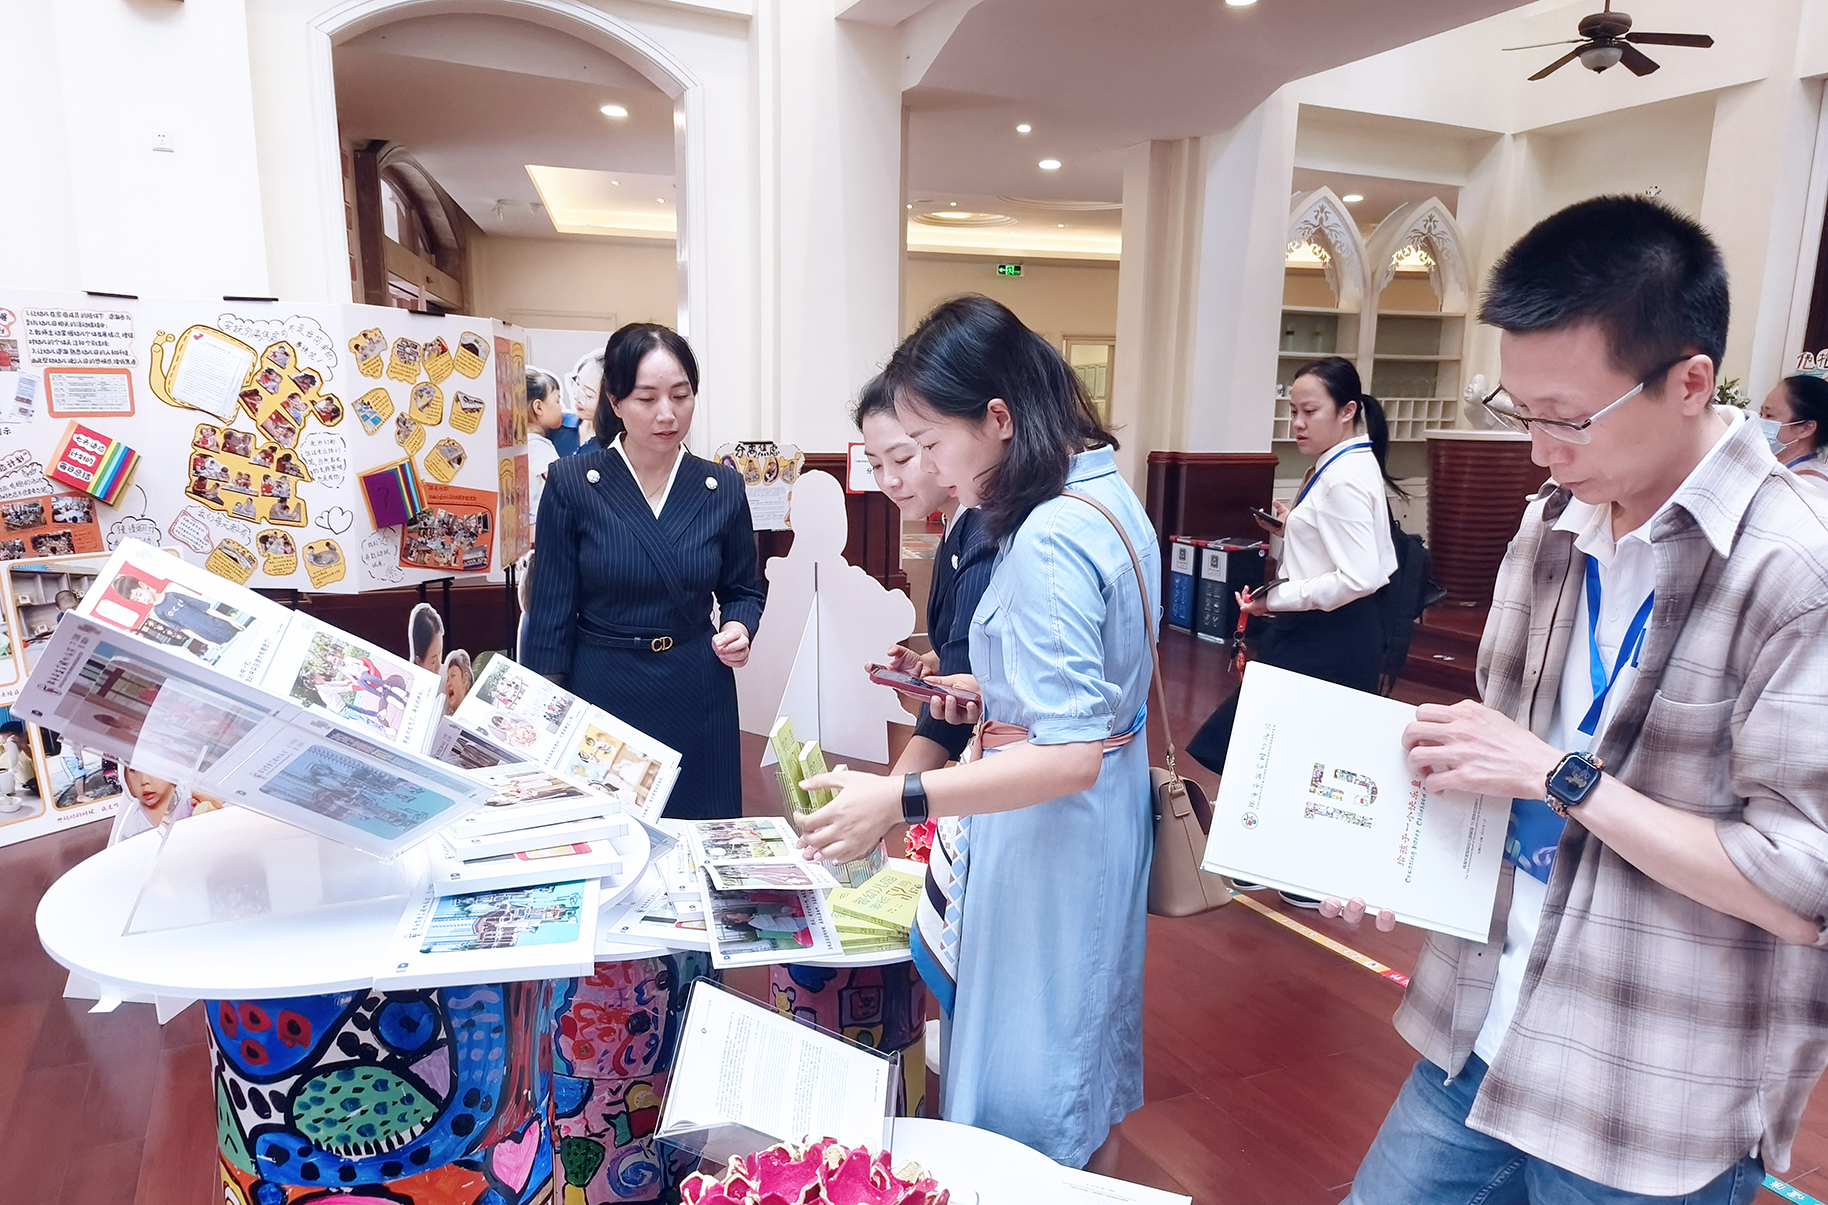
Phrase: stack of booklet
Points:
(878, 915)
(796, 761)
(763, 902)
(539, 827)
(665, 906)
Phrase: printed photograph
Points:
(503, 920)
(363, 796)
(354, 681)
(758, 921)
(751, 876)
(22, 516)
(744, 838)
(161, 610)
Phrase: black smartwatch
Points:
(913, 799)
(1571, 781)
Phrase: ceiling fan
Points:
(1606, 39)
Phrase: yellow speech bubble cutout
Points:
(438, 361)
(231, 559)
(408, 434)
(278, 553)
(472, 353)
(373, 409)
(427, 404)
(369, 348)
(445, 458)
(325, 563)
(403, 365)
(466, 412)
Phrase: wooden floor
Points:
(1269, 1061)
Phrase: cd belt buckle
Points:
(660, 644)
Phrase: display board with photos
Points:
(254, 424)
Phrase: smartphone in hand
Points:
(920, 688)
(1266, 516)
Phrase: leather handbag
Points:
(1183, 816)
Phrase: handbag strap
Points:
(1155, 657)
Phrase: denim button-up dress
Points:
(1046, 1034)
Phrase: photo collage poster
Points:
(254, 422)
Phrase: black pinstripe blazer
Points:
(606, 562)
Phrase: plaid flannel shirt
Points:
(1657, 1041)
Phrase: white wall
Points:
(1053, 300)
(573, 283)
(94, 206)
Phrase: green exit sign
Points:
(1009, 269)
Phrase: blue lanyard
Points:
(1327, 464)
(1800, 459)
(1628, 648)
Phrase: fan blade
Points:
(1540, 45)
(1699, 40)
(1635, 60)
(1557, 65)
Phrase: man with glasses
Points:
(1650, 1012)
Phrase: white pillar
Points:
(1231, 380)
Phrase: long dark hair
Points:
(972, 349)
(1809, 403)
(622, 357)
(1340, 380)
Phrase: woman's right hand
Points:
(952, 709)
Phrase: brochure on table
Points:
(228, 694)
(1318, 799)
(771, 907)
(746, 1077)
(255, 423)
(516, 715)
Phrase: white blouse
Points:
(1336, 547)
(658, 501)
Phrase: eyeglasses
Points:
(1500, 405)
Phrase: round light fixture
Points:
(1059, 225)
(660, 200)
(1239, 3)
(954, 204)
(613, 111)
(963, 218)
(1598, 58)
(1353, 198)
(1024, 128)
(1050, 165)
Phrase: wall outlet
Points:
(161, 141)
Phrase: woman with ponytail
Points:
(1333, 546)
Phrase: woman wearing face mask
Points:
(636, 541)
(961, 570)
(1333, 546)
(1795, 418)
(1045, 839)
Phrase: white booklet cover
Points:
(548, 931)
(523, 714)
(755, 853)
(747, 1077)
(1318, 799)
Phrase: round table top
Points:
(82, 921)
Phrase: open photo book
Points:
(1318, 799)
(203, 683)
(763, 902)
(515, 715)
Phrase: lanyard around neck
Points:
(1357, 446)
(1628, 648)
(1803, 459)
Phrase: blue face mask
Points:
(1774, 435)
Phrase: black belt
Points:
(637, 642)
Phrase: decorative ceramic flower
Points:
(920, 840)
(824, 1173)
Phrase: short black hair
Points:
(1650, 278)
(622, 357)
(972, 349)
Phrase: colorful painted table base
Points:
(613, 1040)
(437, 1097)
(881, 1006)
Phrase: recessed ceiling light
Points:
(1059, 225)
(910, 206)
(1353, 198)
(1024, 128)
(954, 204)
(1050, 165)
(660, 200)
(1239, 3)
(613, 111)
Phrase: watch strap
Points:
(913, 799)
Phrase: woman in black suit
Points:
(636, 539)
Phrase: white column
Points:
(1755, 197)
(1231, 379)
(829, 304)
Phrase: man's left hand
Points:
(1470, 747)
